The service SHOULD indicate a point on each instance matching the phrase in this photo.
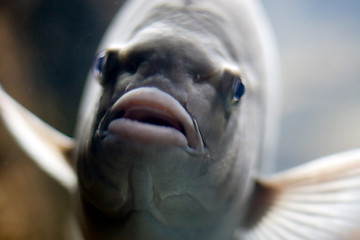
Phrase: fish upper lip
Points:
(152, 115)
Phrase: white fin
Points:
(317, 201)
(49, 148)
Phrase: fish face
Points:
(167, 153)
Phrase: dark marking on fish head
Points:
(262, 200)
(106, 66)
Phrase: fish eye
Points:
(99, 63)
(99, 66)
(238, 90)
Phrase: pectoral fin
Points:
(49, 148)
(317, 201)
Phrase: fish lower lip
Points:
(146, 133)
(151, 116)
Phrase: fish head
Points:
(174, 139)
(169, 140)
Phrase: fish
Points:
(176, 130)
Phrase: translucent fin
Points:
(319, 200)
(49, 148)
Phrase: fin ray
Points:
(319, 200)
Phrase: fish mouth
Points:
(151, 116)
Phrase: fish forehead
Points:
(172, 57)
(213, 24)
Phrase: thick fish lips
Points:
(151, 116)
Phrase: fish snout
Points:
(151, 116)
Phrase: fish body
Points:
(175, 124)
(172, 141)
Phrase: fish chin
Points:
(148, 190)
(128, 177)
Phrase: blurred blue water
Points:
(319, 43)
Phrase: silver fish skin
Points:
(169, 150)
